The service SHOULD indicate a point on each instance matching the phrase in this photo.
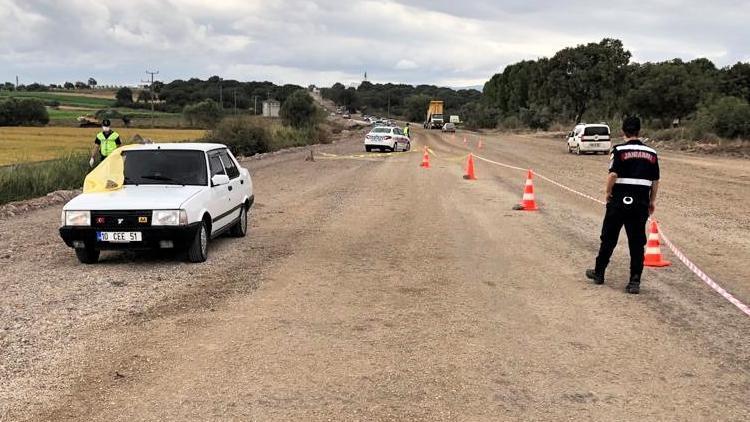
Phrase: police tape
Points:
(681, 256)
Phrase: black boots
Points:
(597, 277)
(634, 286)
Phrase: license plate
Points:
(594, 145)
(119, 237)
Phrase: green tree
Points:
(299, 110)
(584, 74)
(124, 96)
(205, 113)
(25, 111)
(664, 91)
(416, 108)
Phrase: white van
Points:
(593, 138)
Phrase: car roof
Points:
(383, 127)
(193, 146)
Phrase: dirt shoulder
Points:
(372, 289)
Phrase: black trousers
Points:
(634, 219)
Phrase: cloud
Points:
(306, 41)
(405, 64)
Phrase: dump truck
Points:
(434, 115)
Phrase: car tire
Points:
(408, 146)
(87, 255)
(240, 227)
(198, 250)
(578, 150)
(368, 149)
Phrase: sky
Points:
(442, 42)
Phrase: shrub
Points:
(728, 117)
(299, 110)
(534, 118)
(26, 111)
(511, 122)
(243, 135)
(30, 180)
(205, 113)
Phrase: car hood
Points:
(141, 197)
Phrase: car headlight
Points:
(77, 218)
(169, 218)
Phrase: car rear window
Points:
(381, 130)
(165, 167)
(596, 130)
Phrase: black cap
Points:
(106, 122)
(631, 125)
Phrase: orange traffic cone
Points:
(528, 202)
(425, 159)
(470, 175)
(653, 257)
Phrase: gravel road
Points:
(371, 289)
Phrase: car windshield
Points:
(165, 167)
(381, 130)
(596, 130)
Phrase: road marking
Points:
(684, 259)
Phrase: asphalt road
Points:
(372, 289)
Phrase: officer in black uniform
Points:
(632, 185)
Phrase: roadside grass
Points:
(31, 144)
(30, 180)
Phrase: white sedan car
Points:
(173, 196)
(387, 139)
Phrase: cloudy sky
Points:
(444, 42)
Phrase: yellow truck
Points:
(434, 115)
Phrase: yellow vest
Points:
(107, 144)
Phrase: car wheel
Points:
(240, 228)
(408, 146)
(198, 251)
(570, 151)
(368, 149)
(578, 150)
(87, 255)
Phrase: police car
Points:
(594, 138)
(173, 196)
(385, 138)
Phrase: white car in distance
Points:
(593, 138)
(385, 138)
(174, 196)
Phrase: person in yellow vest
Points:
(406, 130)
(105, 142)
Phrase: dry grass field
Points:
(28, 144)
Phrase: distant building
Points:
(271, 108)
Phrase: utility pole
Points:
(235, 100)
(151, 92)
(255, 104)
(221, 96)
(16, 82)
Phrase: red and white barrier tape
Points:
(684, 259)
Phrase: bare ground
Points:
(370, 289)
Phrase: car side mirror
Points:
(220, 179)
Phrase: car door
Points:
(221, 200)
(398, 139)
(235, 182)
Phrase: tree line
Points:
(598, 81)
(399, 100)
(588, 82)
